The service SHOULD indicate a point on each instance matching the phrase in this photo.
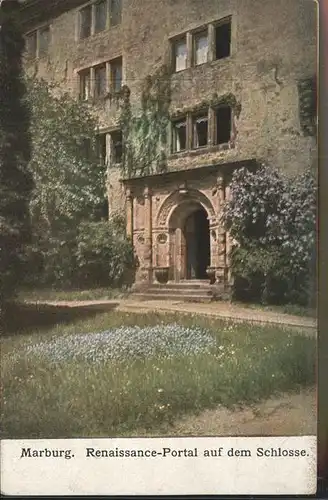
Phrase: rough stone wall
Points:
(273, 46)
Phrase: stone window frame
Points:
(174, 42)
(38, 54)
(195, 35)
(109, 133)
(177, 123)
(108, 24)
(189, 117)
(197, 117)
(109, 85)
(190, 37)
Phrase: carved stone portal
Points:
(176, 229)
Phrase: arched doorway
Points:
(197, 244)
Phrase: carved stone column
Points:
(228, 243)
(148, 233)
(221, 239)
(129, 213)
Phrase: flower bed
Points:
(127, 342)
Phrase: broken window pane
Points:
(44, 39)
(116, 75)
(115, 12)
(180, 55)
(179, 136)
(31, 39)
(100, 80)
(223, 125)
(200, 131)
(200, 48)
(117, 146)
(85, 85)
(85, 22)
(100, 16)
(222, 40)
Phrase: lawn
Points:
(112, 374)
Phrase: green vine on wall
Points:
(308, 106)
(145, 128)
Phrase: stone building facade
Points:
(235, 70)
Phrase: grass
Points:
(57, 390)
(293, 309)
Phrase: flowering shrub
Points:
(272, 219)
(126, 343)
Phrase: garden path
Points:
(290, 414)
(225, 310)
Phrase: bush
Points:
(94, 254)
(104, 255)
(272, 219)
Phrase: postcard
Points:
(159, 170)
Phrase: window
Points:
(116, 74)
(200, 131)
(31, 44)
(222, 40)
(179, 135)
(115, 12)
(307, 93)
(85, 21)
(180, 54)
(37, 42)
(211, 43)
(117, 146)
(101, 148)
(223, 125)
(100, 16)
(200, 48)
(207, 127)
(85, 84)
(94, 81)
(100, 81)
(44, 39)
(116, 149)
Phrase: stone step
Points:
(179, 297)
(174, 290)
(182, 285)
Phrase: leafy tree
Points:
(272, 218)
(15, 179)
(69, 180)
(73, 241)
